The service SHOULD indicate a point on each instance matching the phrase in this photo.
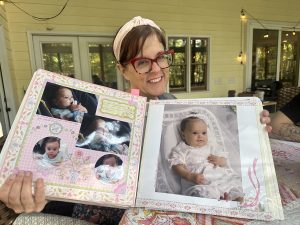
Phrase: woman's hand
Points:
(16, 193)
(265, 119)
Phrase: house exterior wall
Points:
(8, 78)
(217, 19)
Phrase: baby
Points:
(204, 171)
(65, 107)
(110, 169)
(52, 155)
(103, 140)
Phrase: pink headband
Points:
(134, 22)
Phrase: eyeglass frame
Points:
(132, 61)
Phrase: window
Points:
(275, 58)
(189, 71)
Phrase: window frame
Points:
(189, 88)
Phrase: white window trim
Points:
(10, 96)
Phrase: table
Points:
(270, 106)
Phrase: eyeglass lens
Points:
(144, 65)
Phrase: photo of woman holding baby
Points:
(104, 134)
(65, 103)
(109, 168)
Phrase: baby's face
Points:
(111, 161)
(102, 130)
(195, 133)
(64, 98)
(52, 148)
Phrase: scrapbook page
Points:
(84, 140)
(208, 156)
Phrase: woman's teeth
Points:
(155, 80)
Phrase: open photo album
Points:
(100, 146)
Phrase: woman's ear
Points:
(122, 70)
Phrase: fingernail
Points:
(27, 173)
(20, 173)
(12, 177)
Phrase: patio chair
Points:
(285, 95)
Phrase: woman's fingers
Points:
(40, 200)
(27, 200)
(16, 193)
(265, 119)
(14, 196)
(6, 187)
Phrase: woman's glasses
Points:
(144, 65)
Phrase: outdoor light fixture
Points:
(240, 57)
(243, 15)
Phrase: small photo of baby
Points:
(66, 103)
(109, 168)
(104, 134)
(48, 152)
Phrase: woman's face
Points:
(152, 84)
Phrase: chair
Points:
(285, 95)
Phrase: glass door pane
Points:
(289, 64)
(199, 58)
(264, 61)
(58, 57)
(98, 60)
(57, 54)
(264, 54)
(177, 80)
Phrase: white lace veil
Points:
(167, 181)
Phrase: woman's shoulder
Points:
(166, 96)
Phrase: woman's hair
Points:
(133, 42)
(49, 140)
(184, 122)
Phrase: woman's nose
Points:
(155, 67)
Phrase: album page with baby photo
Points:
(83, 139)
(208, 156)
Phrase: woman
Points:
(140, 49)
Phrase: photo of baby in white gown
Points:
(199, 153)
(203, 168)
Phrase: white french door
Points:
(86, 58)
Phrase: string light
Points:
(32, 16)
